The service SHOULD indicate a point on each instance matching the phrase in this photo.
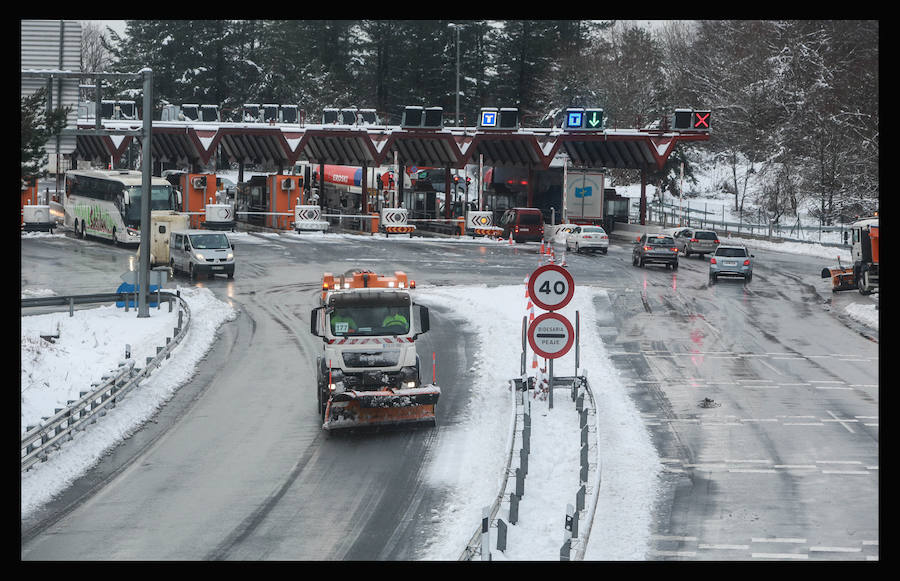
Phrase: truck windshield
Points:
(368, 321)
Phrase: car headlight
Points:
(229, 256)
(199, 256)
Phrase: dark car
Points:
(655, 248)
(523, 224)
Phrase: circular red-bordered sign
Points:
(551, 287)
(551, 335)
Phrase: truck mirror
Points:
(422, 316)
(314, 321)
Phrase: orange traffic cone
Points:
(563, 263)
(542, 246)
(510, 238)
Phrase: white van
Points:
(198, 252)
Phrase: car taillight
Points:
(747, 262)
(717, 241)
(587, 235)
(673, 249)
(712, 260)
(604, 237)
(694, 240)
(647, 248)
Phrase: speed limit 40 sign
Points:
(551, 287)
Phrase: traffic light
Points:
(468, 183)
(419, 117)
(434, 118)
(509, 118)
(582, 119)
(493, 118)
(691, 120)
(700, 120)
(412, 116)
(488, 118)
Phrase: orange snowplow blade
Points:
(841, 278)
(354, 409)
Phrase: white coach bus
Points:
(107, 203)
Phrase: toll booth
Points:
(269, 200)
(285, 192)
(197, 190)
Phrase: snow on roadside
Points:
(87, 343)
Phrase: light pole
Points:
(456, 27)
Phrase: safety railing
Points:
(53, 431)
(585, 502)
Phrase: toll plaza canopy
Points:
(195, 142)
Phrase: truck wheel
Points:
(861, 282)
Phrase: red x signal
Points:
(701, 120)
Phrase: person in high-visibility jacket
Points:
(396, 321)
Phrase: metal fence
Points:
(705, 216)
(575, 538)
(53, 431)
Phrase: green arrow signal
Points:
(595, 118)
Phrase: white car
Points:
(587, 238)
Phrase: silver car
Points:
(584, 238)
(691, 241)
(731, 261)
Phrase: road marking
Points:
(679, 538)
(674, 553)
(777, 540)
(725, 547)
(836, 549)
(840, 421)
(779, 556)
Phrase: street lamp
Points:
(456, 27)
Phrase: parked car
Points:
(731, 261)
(523, 224)
(655, 248)
(691, 241)
(587, 238)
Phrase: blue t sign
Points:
(574, 119)
(488, 118)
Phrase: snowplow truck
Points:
(863, 273)
(369, 373)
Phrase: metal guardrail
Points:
(589, 480)
(53, 431)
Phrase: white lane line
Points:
(841, 422)
(794, 540)
(779, 556)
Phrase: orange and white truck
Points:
(863, 273)
(369, 372)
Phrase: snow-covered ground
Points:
(92, 342)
